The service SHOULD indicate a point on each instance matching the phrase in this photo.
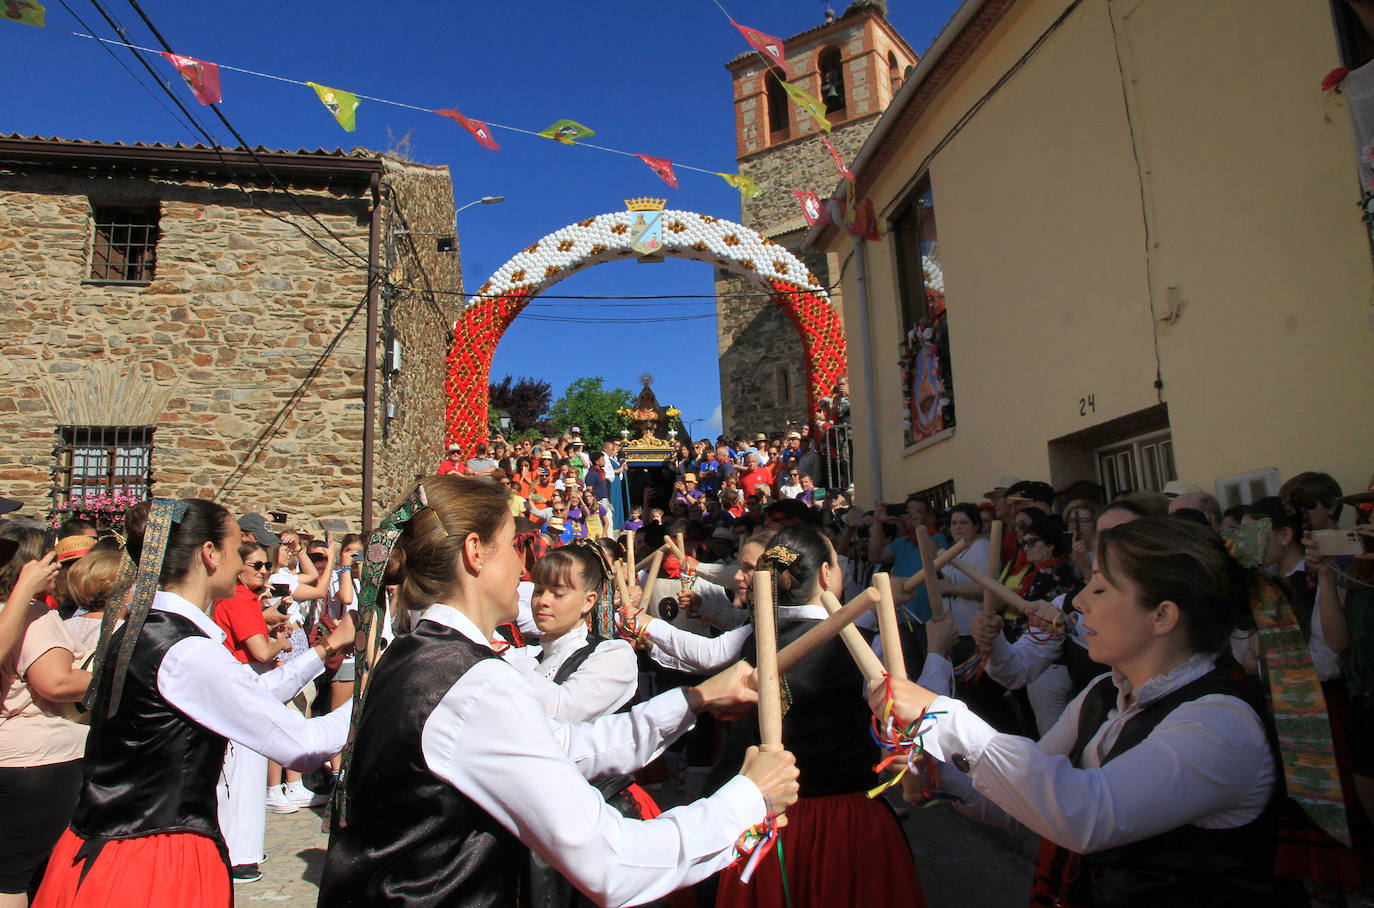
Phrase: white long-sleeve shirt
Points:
(202, 679)
(685, 651)
(489, 737)
(1206, 764)
(603, 683)
(718, 606)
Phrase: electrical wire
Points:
(132, 75)
(246, 147)
(215, 146)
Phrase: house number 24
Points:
(1087, 405)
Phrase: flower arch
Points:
(609, 237)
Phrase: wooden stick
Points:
(864, 657)
(630, 547)
(766, 643)
(994, 564)
(934, 586)
(887, 626)
(990, 585)
(942, 558)
(791, 655)
(655, 562)
(682, 550)
(643, 562)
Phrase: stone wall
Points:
(423, 301)
(246, 350)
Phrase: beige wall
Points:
(1250, 195)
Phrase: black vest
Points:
(149, 769)
(826, 727)
(412, 838)
(1184, 867)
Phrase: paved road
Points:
(961, 862)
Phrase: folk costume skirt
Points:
(156, 871)
(838, 850)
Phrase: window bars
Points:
(124, 247)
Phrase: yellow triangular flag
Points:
(809, 104)
(342, 104)
(29, 12)
(746, 185)
(567, 132)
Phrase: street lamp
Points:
(693, 422)
(484, 200)
(503, 421)
(445, 243)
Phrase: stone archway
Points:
(613, 236)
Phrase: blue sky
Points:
(649, 78)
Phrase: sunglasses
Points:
(256, 565)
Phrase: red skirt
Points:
(156, 871)
(840, 850)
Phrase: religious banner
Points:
(807, 102)
(480, 131)
(342, 104)
(839, 162)
(811, 207)
(661, 166)
(770, 47)
(201, 77)
(747, 187)
(567, 132)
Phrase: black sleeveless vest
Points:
(1182, 868)
(412, 838)
(826, 727)
(149, 769)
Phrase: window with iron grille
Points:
(940, 497)
(103, 461)
(124, 246)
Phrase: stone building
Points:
(854, 64)
(183, 321)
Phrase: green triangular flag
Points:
(567, 132)
(809, 104)
(746, 185)
(29, 12)
(342, 104)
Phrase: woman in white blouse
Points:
(457, 770)
(1156, 784)
(167, 703)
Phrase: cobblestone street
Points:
(961, 862)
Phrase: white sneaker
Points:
(279, 801)
(300, 796)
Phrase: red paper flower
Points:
(1334, 78)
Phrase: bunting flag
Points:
(202, 77)
(480, 131)
(767, 45)
(747, 187)
(28, 12)
(811, 207)
(839, 161)
(862, 222)
(342, 104)
(808, 103)
(661, 166)
(567, 132)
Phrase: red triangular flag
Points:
(480, 131)
(866, 222)
(661, 166)
(202, 77)
(767, 45)
(811, 207)
(839, 162)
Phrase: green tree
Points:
(592, 408)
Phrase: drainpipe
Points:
(866, 358)
(374, 232)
